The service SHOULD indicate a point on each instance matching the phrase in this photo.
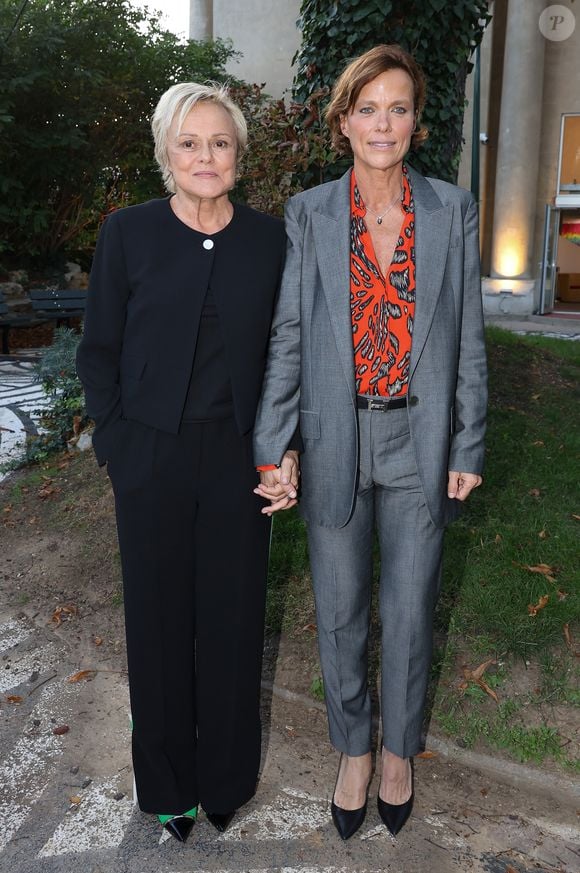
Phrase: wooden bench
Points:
(58, 305)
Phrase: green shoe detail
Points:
(191, 813)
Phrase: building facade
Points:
(529, 156)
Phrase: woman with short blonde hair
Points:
(172, 358)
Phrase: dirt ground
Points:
(59, 566)
(60, 572)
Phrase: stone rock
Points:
(85, 441)
(82, 442)
(11, 290)
(78, 280)
(19, 276)
(71, 269)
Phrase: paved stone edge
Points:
(560, 786)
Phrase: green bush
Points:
(65, 414)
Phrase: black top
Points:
(145, 301)
(209, 395)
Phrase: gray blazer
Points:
(310, 371)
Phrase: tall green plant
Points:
(64, 414)
(440, 35)
(78, 82)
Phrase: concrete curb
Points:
(559, 786)
(538, 325)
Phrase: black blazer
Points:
(144, 303)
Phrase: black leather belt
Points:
(380, 404)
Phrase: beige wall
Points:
(266, 34)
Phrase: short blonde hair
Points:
(178, 101)
(359, 73)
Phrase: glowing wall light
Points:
(510, 252)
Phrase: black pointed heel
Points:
(220, 820)
(395, 815)
(180, 827)
(347, 821)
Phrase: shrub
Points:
(64, 415)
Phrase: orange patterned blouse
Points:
(382, 308)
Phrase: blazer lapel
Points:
(331, 230)
(432, 230)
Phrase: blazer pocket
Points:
(309, 425)
(133, 366)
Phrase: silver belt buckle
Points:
(376, 404)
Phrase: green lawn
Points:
(525, 516)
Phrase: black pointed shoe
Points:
(180, 827)
(395, 815)
(220, 820)
(347, 821)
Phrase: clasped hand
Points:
(280, 486)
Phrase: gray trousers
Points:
(389, 496)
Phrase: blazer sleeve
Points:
(277, 420)
(467, 444)
(99, 352)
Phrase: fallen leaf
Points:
(543, 569)
(98, 641)
(63, 612)
(7, 509)
(309, 627)
(33, 520)
(534, 492)
(533, 609)
(13, 698)
(568, 640)
(427, 755)
(485, 687)
(535, 396)
(484, 792)
(82, 674)
(498, 538)
(61, 730)
(77, 424)
(577, 517)
(562, 595)
(543, 535)
(510, 869)
(538, 443)
(46, 492)
(75, 799)
(475, 675)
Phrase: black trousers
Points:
(194, 552)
